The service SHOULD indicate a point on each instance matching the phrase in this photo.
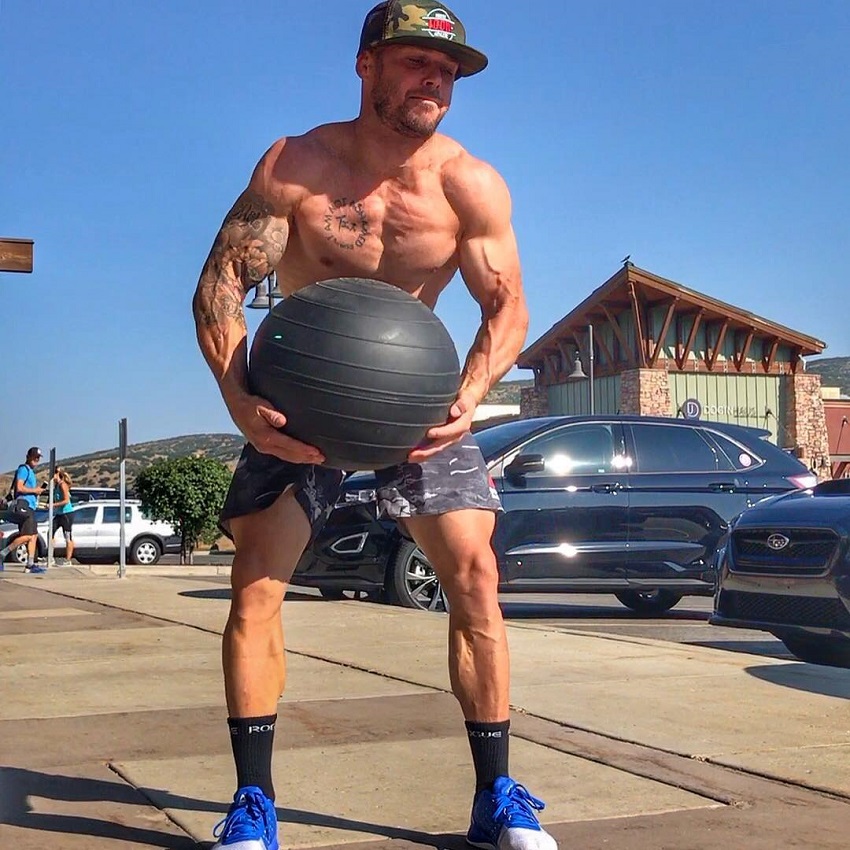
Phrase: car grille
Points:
(809, 552)
(784, 610)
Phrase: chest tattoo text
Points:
(346, 224)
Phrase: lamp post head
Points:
(261, 297)
(578, 374)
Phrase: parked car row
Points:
(650, 510)
(629, 505)
(97, 525)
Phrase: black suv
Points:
(786, 570)
(630, 505)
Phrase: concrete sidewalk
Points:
(113, 731)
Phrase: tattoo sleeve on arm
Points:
(249, 246)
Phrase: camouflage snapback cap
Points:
(424, 24)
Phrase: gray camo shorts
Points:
(455, 479)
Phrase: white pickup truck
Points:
(97, 535)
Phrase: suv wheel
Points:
(832, 652)
(145, 551)
(412, 582)
(648, 601)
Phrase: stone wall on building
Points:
(645, 392)
(806, 422)
(534, 401)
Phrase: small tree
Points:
(187, 493)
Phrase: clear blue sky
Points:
(708, 139)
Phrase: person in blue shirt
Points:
(63, 516)
(26, 491)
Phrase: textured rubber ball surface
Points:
(360, 368)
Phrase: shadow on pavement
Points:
(224, 593)
(812, 678)
(17, 786)
(445, 841)
(771, 648)
(543, 610)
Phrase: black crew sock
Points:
(252, 739)
(489, 745)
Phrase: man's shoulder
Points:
(458, 164)
(468, 178)
(292, 157)
(318, 142)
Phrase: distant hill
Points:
(834, 372)
(507, 392)
(100, 469)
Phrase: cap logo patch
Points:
(440, 24)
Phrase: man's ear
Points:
(364, 64)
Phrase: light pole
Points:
(578, 373)
(266, 293)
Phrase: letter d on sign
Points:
(691, 408)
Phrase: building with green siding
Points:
(646, 345)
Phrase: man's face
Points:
(411, 88)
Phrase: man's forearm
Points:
(497, 344)
(222, 333)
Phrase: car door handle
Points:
(605, 488)
(722, 487)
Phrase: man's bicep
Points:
(488, 253)
(490, 266)
(251, 241)
(248, 247)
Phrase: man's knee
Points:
(474, 580)
(257, 601)
(268, 545)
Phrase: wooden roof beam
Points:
(618, 332)
(711, 360)
(682, 359)
(581, 346)
(768, 361)
(741, 356)
(603, 347)
(569, 361)
(636, 311)
(671, 311)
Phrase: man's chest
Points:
(385, 233)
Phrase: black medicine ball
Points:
(360, 368)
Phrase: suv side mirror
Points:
(521, 465)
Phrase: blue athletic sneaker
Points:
(35, 570)
(251, 823)
(505, 819)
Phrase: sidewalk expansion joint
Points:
(706, 776)
(150, 800)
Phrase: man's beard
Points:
(404, 119)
